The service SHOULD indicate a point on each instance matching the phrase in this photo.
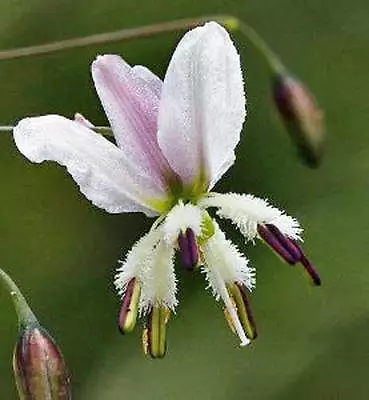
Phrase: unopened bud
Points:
(241, 303)
(188, 249)
(39, 368)
(129, 309)
(154, 334)
(302, 117)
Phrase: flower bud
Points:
(39, 368)
(154, 334)
(302, 117)
(129, 310)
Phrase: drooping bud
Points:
(129, 309)
(188, 249)
(38, 364)
(302, 117)
(154, 333)
(241, 303)
(39, 368)
(280, 244)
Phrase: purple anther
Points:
(286, 242)
(281, 247)
(188, 249)
(126, 302)
(310, 269)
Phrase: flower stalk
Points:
(122, 35)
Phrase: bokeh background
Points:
(62, 251)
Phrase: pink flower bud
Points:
(39, 368)
(302, 116)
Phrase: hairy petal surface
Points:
(222, 255)
(159, 283)
(136, 260)
(202, 105)
(130, 97)
(247, 211)
(101, 170)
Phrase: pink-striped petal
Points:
(150, 78)
(130, 97)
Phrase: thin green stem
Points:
(24, 312)
(103, 130)
(6, 128)
(272, 59)
(228, 21)
(115, 36)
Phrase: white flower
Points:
(174, 140)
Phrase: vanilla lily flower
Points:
(175, 139)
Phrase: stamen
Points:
(129, 309)
(280, 243)
(154, 334)
(238, 293)
(232, 313)
(188, 249)
(311, 271)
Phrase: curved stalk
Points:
(23, 310)
(122, 35)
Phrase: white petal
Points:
(100, 169)
(247, 211)
(202, 106)
(130, 98)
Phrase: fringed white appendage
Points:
(247, 211)
(159, 282)
(181, 217)
(225, 264)
(151, 262)
(222, 255)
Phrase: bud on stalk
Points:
(39, 368)
(302, 117)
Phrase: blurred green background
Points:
(62, 251)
